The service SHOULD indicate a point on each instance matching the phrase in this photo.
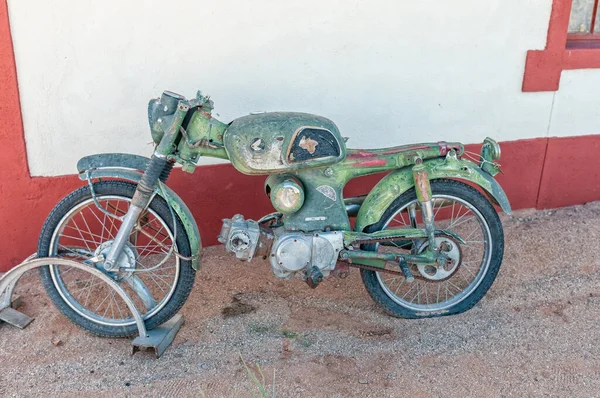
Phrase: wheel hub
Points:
(126, 259)
(450, 248)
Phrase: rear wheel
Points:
(159, 283)
(454, 287)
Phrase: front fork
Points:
(141, 199)
(158, 169)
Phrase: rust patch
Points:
(361, 154)
(443, 147)
(308, 144)
(402, 149)
(365, 153)
(371, 163)
(422, 183)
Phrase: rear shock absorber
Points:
(424, 197)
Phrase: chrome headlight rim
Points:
(287, 197)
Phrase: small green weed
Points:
(259, 385)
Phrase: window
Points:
(584, 24)
(573, 42)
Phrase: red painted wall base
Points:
(571, 172)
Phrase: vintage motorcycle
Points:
(427, 237)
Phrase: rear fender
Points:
(396, 183)
(130, 167)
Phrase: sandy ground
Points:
(536, 333)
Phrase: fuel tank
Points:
(278, 142)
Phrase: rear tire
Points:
(490, 222)
(47, 246)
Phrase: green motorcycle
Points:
(427, 237)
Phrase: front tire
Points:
(477, 262)
(78, 229)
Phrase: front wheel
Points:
(157, 282)
(454, 288)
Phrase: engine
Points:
(290, 253)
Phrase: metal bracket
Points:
(157, 339)
(13, 317)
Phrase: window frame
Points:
(562, 52)
(576, 36)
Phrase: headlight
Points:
(287, 194)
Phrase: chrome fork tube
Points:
(145, 189)
(141, 199)
(143, 194)
(110, 264)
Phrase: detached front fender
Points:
(396, 183)
(130, 167)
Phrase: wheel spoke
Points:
(102, 223)
(409, 290)
(80, 234)
(78, 253)
(102, 302)
(464, 273)
(461, 270)
(87, 287)
(96, 244)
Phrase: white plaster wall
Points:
(387, 72)
(576, 108)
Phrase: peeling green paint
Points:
(324, 207)
(309, 150)
(400, 181)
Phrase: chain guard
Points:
(416, 275)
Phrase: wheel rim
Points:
(425, 294)
(82, 231)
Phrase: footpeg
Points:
(406, 271)
(314, 276)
